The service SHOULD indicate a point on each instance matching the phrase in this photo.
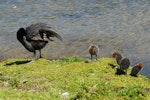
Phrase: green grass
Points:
(81, 78)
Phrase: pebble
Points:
(65, 95)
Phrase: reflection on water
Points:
(114, 25)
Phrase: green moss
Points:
(82, 78)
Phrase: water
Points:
(114, 25)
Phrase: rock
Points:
(65, 95)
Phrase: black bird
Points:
(136, 69)
(35, 37)
(93, 50)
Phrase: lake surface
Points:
(114, 25)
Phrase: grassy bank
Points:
(70, 79)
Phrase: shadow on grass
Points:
(113, 66)
(17, 63)
(119, 72)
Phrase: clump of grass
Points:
(45, 79)
(14, 82)
(134, 92)
(73, 59)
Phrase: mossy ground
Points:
(82, 79)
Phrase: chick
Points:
(93, 50)
(136, 69)
(124, 63)
(118, 57)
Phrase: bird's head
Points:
(21, 33)
(115, 55)
(140, 65)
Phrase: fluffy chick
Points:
(93, 50)
(118, 57)
(136, 69)
(124, 63)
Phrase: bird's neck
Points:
(25, 43)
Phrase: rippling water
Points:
(114, 25)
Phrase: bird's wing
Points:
(32, 31)
(49, 33)
(37, 38)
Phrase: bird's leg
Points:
(91, 57)
(35, 55)
(40, 53)
(34, 58)
(126, 72)
(96, 57)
